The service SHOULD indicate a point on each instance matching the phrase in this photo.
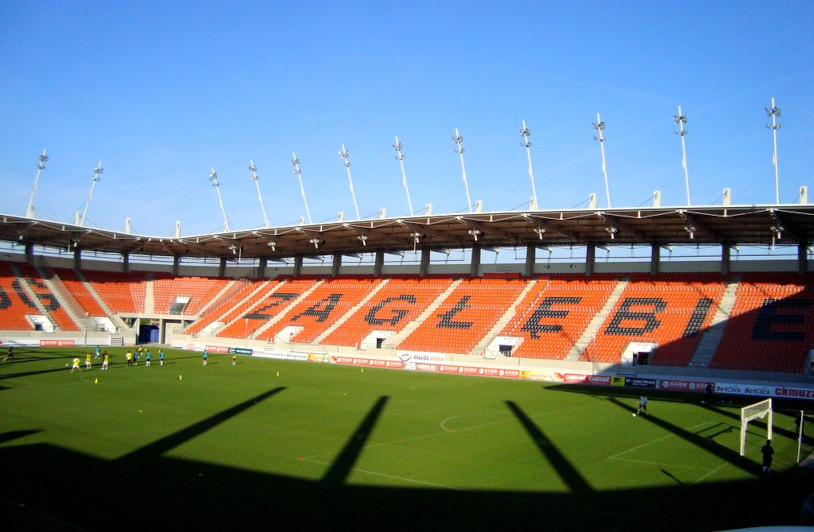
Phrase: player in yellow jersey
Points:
(75, 364)
(87, 361)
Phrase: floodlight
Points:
(525, 132)
(774, 112)
(400, 158)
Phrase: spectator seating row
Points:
(266, 306)
(200, 290)
(770, 325)
(553, 315)
(396, 304)
(14, 302)
(465, 316)
(323, 306)
(49, 301)
(669, 312)
(228, 304)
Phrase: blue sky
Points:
(162, 92)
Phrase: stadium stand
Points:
(267, 307)
(321, 307)
(396, 304)
(229, 304)
(76, 287)
(14, 302)
(46, 297)
(121, 292)
(465, 316)
(670, 311)
(552, 316)
(200, 290)
(771, 327)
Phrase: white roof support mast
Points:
(400, 158)
(29, 213)
(774, 112)
(459, 140)
(96, 173)
(526, 132)
(253, 171)
(599, 126)
(681, 119)
(296, 163)
(214, 178)
(346, 163)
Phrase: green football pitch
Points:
(266, 443)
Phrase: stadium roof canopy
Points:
(732, 225)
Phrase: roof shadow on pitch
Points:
(159, 447)
(343, 464)
(567, 472)
(15, 435)
(699, 441)
(43, 482)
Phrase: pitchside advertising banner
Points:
(437, 363)
(283, 355)
(57, 343)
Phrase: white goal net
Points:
(752, 412)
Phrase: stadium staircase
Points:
(394, 340)
(117, 321)
(599, 318)
(771, 325)
(149, 295)
(213, 302)
(504, 320)
(347, 315)
(712, 336)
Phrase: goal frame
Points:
(754, 411)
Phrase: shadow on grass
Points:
(15, 434)
(721, 405)
(44, 487)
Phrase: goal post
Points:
(752, 412)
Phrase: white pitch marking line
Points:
(633, 449)
(445, 430)
(503, 412)
(645, 462)
(393, 477)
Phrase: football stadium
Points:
(237, 329)
(352, 372)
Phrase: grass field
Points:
(268, 443)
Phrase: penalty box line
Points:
(618, 456)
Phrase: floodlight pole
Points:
(774, 112)
(214, 178)
(459, 140)
(96, 173)
(253, 171)
(526, 132)
(296, 163)
(29, 213)
(400, 157)
(344, 154)
(599, 126)
(681, 119)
